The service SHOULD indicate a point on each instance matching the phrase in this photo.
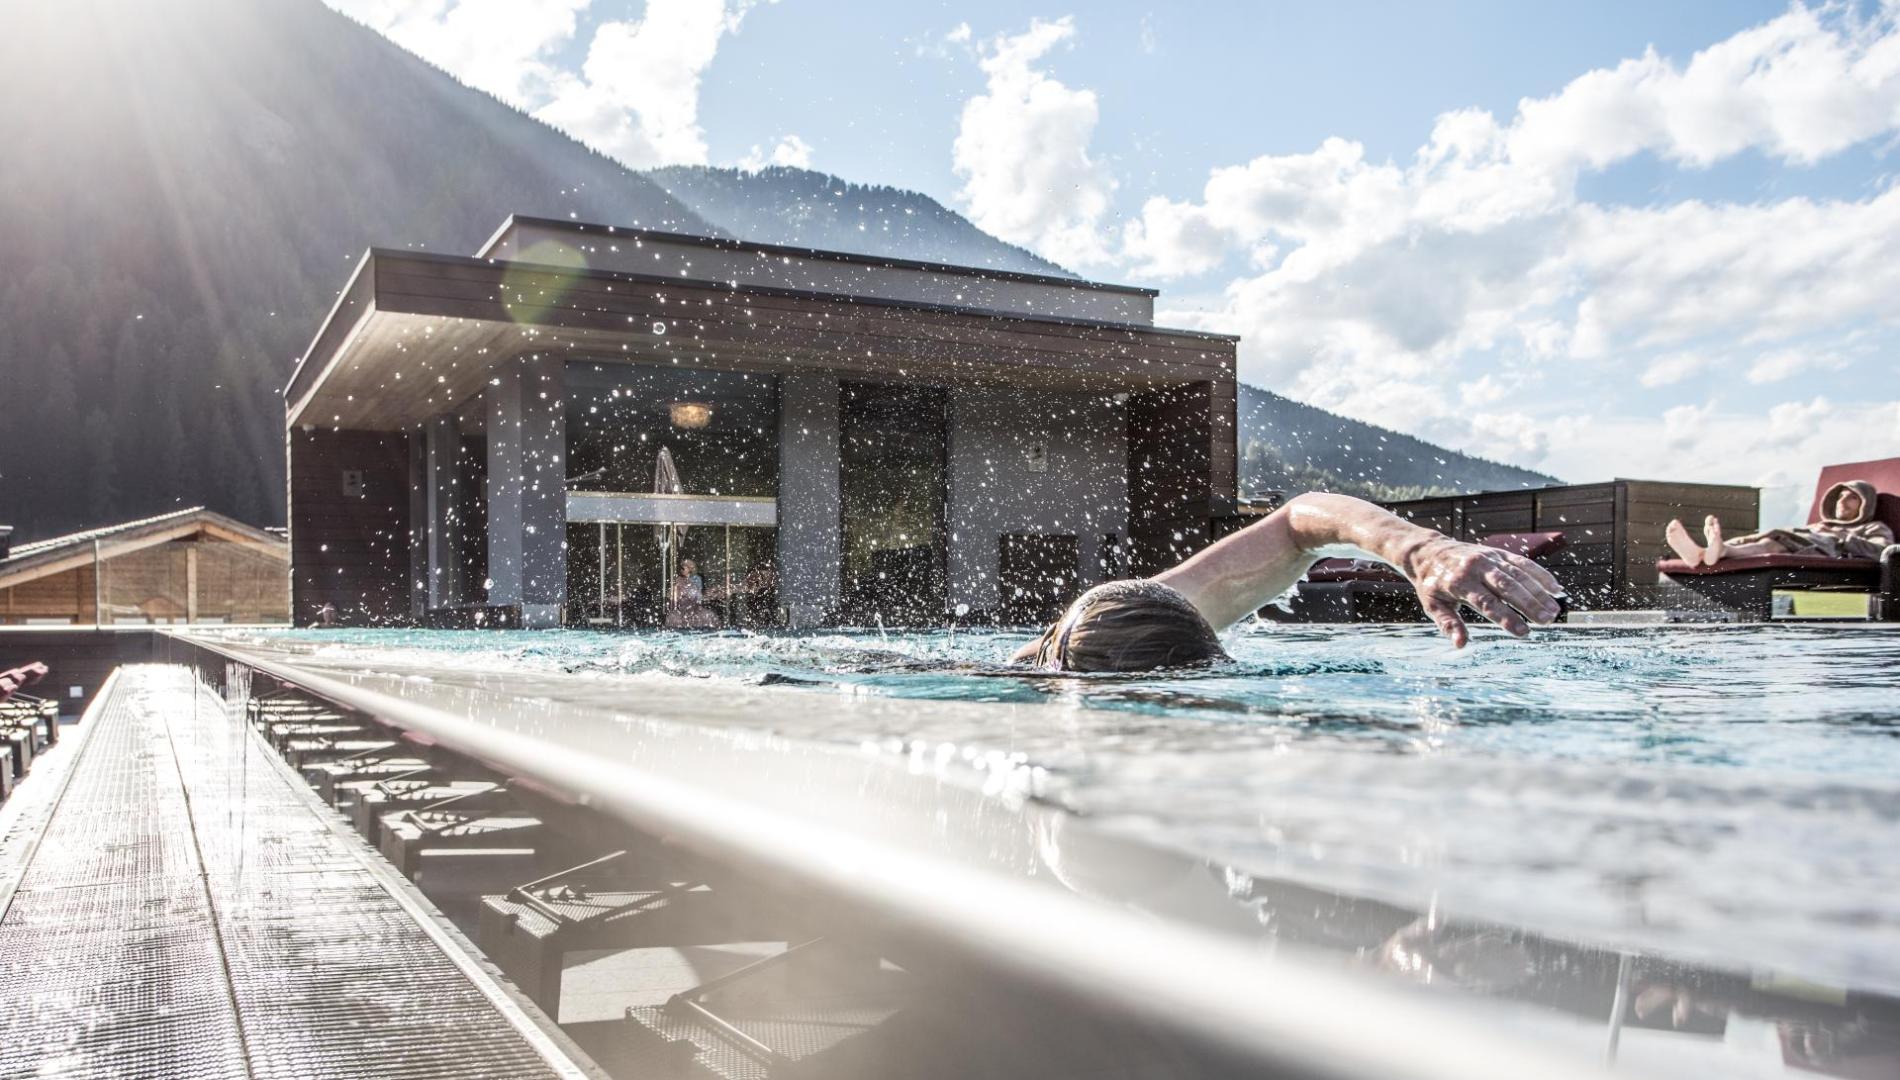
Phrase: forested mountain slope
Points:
(184, 190)
(799, 207)
(1290, 447)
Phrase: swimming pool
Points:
(1724, 795)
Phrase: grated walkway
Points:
(187, 911)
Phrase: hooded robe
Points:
(1835, 536)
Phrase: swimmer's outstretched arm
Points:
(1237, 576)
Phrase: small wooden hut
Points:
(188, 566)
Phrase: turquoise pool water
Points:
(1724, 794)
(1776, 699)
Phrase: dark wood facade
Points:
(349, 539)
(77, 660)
(1614, 529)
(1181, 449)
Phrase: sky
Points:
(1608, 239)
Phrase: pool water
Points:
(1729, 795)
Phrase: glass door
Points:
(713, 577)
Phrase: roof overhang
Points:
(746, 262)
(416, 335)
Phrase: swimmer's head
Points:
(1127, 626)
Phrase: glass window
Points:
(721, 428)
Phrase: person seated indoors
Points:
(20, 678)
(1846, 530)
(1174, 619)
(686, 609)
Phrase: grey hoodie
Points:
(1855, 537)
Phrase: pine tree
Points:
(170, 452)
(54, 421)
(102, 488)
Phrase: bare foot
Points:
(1712, 532)
(1679, 542)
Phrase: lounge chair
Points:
(1747, 585)
(1360, 590)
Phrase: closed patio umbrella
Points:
(666, 481)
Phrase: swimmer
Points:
(1174, 618)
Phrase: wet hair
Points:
(1129, 626)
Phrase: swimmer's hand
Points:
(1510, 590)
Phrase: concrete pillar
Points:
(418, 527)
(810, 542)
(527, 489)
(443, 504)
(1080, 487)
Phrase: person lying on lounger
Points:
(1173, 619)
(1846, 530)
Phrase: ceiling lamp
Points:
(691, 415)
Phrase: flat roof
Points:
(459, 295)
(824, 254)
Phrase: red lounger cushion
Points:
(1676, 567)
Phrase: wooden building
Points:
(189, 566)
(847, 438)
(1614, 530)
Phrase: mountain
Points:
(185, 187)
(1290, 447)
(799, 207)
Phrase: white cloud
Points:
(1022, 151)
(946, 46)
(790, 151)
(1799, 87)
(1373, 287)
(1787, 363)
(1756, 272)
(1683, 425)
(1672, 368)
(1507, 436)
(636, 95)
(500, 46)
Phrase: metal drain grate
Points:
(186, 913)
